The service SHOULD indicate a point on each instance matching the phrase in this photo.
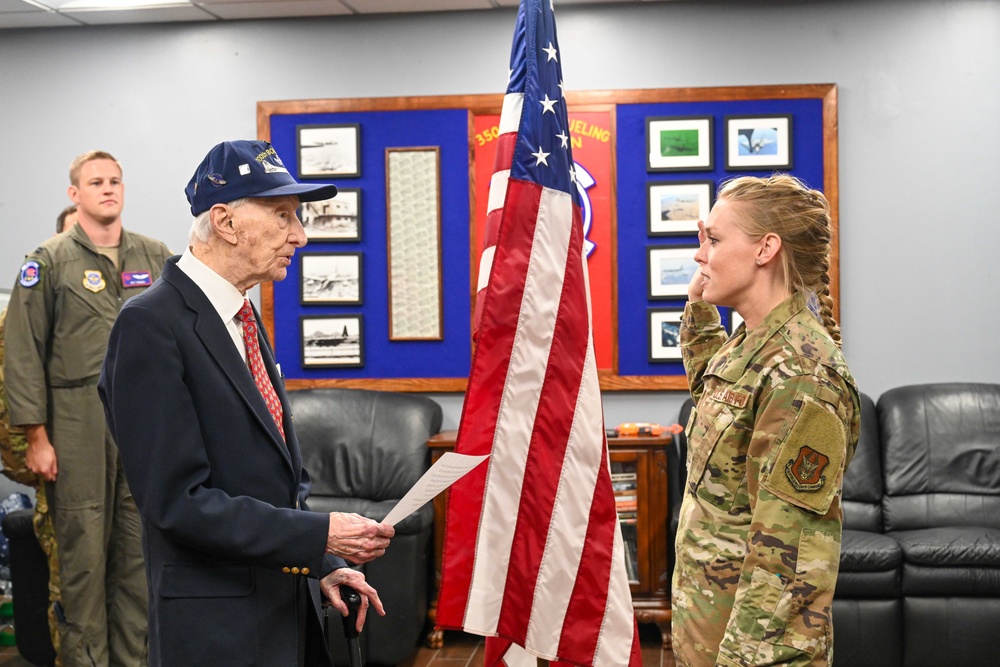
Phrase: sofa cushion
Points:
(950, 561)
(869, 566)
(862, 551)
(942, 455)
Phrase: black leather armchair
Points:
(29, 573)
(364, 450)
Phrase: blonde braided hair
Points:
(782, 204)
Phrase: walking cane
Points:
(353, 601)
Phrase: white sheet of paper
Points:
(448, 469)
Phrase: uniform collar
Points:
(731, 367)
(77, 234)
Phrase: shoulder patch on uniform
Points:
(806, 469)
(31, 273)
(737, 399)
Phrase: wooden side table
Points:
(639, 474)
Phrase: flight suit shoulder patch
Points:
(808, 463)
(31, 273)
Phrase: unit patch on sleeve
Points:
(809, 461)
(31, 273)
(806, 471)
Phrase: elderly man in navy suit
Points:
(235, 564)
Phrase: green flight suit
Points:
(58, 324)
(776, 421)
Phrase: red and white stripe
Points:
(545, 568)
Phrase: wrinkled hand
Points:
(330, 584)
(41, 455)
(357, 539)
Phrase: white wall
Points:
(917, 81)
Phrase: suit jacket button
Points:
(286, 570)
(295, 570)
(305, 570)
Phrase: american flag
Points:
(544, 568)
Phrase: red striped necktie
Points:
(256, 363)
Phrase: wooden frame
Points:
(413, 242)
(825, 93)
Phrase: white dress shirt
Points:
(221, 293)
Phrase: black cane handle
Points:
(353, 601)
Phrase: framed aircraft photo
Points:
(759, 142)
(332, 340)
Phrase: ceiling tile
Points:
(17, 6)
(262, 9)
(381, 6)
(35, 20)
(151, 15)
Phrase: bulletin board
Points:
(648, 160)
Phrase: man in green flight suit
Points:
(63, 305)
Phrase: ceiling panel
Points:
(17, 6)
(381, 6)
(34, 19)
(152, 15)
(33, 13)
(265, 9)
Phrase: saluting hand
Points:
(357, 539)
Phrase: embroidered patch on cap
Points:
(31, 273)
(93, 280)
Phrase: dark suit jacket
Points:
(222, 497)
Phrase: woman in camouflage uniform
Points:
(776, 422)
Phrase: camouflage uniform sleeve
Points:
(795, 467)
(26, 339)
(702, 334)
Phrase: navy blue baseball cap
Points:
(236, 169)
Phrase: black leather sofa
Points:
(922, 520)
(919, 581)
(364, 450)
